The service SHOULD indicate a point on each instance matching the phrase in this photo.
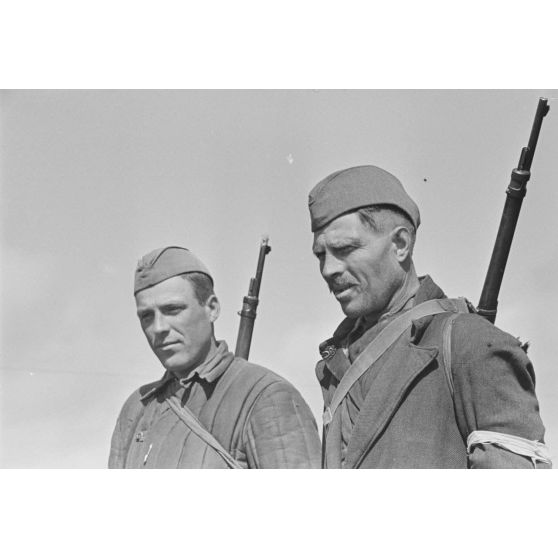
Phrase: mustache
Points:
(339, 285)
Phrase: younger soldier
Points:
(210, 409)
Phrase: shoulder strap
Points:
(192, 422)
(463, 307)
(446, 350)
(385, 339)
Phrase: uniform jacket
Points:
(401, 413)
(256, 415)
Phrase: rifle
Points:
(250, 303)
(515, 193)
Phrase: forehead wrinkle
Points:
(153, 299)
(165, 299)
(337, 238)
(348, 240)
(342, 237)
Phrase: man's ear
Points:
(403, 243)
(212, 308)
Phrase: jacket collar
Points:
(427, 290)
(209, 371)
(391, 379)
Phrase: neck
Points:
(205, 356)
(211, 351)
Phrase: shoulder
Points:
(264, 392)
(274, 400)
(136, 401)
(473, 332)
(259, 378)
(260, 387)
(469, 331)
(483, 354)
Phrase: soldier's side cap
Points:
(356, 187)
(164, 263)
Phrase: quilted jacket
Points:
(256, 415)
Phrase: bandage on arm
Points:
(537, 452)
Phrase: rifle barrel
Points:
(249, 305)
(542, 111)
(517, 189)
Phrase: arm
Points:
(116, 456)
(494, 393)
(281, 431)
(124, 431)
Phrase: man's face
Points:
(178, 328)
(359, 265)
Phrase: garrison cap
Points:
(350, 189)
(165, 263)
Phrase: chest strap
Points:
(383, 341)
(192, 422)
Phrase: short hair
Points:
(202, 285)
(380, 217)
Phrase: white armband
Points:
(536, 451)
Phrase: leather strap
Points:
(192, 422)
(384, 340)
(446, 350)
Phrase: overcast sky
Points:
(92, 180)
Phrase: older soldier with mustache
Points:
(410, 379)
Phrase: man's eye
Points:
(344, 249)
(173, 310)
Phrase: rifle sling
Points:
(193, 423)
(383, 341)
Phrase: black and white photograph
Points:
(139, 224)
(309, 241)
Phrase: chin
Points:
(351, 312)
(354, 310)
(175, 365)
(183, 362)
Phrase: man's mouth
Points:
(341, 291)
(166, 345)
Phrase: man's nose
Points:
(159, 324)
(331, 266)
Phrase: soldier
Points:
(210, 409)
(410, 379)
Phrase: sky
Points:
(92, 180)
